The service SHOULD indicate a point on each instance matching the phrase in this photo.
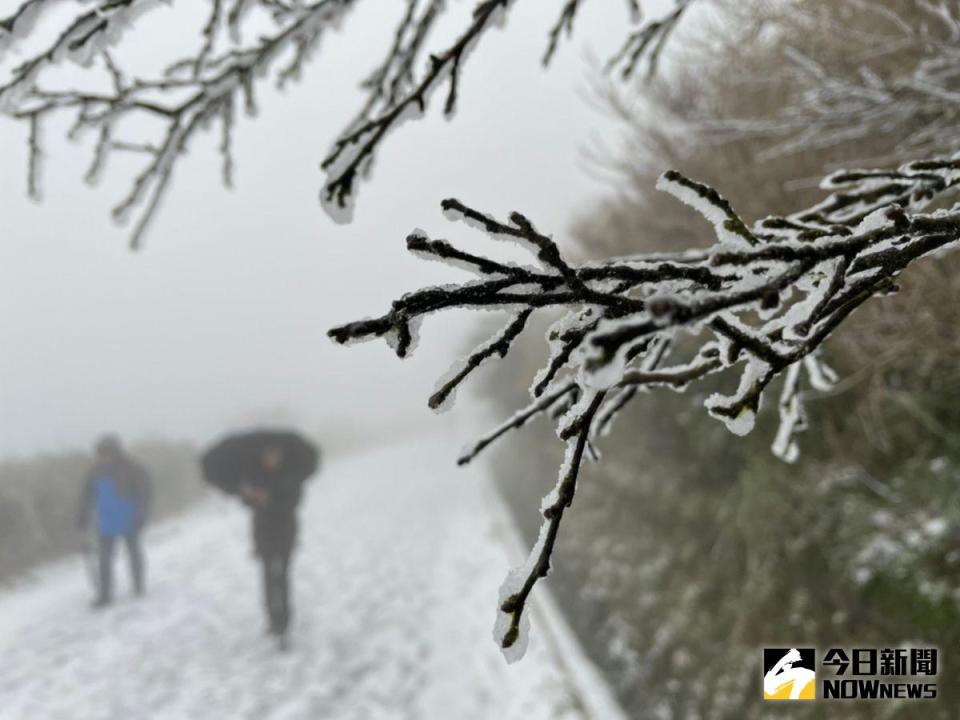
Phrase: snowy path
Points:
(399, 563)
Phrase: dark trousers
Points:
(276, 588)
(135, 556)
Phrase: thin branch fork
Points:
(355, 148)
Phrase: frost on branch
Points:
(394, 97)
(396, 94)
(237, 46)
(190, 94)
(757, 305)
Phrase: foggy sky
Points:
(220, 320)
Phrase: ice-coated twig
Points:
(564, 24)
(757, 305)
(519, 584)
(519, 419)
(498, 345)
(33, 162)
(354, 150)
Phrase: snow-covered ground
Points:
(399, 563)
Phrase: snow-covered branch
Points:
(204, 89)
(190, 94)
(758, 304)
(353, 152)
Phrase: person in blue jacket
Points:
(116, 493)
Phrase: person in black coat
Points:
(266, 470)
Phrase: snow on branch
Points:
(759, 304)
(206, 89)
(190, 94)
(395, 96)
(352, 154)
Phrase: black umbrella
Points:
(237, 459)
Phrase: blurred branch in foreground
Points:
(203, 89)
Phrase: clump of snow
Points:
(935, 527)
(742, 423)
(822, 377)
(716, 215)
(501, 626)
(876, 220)
(337, 209)
(791, 417)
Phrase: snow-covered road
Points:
(399, 563)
